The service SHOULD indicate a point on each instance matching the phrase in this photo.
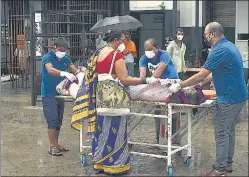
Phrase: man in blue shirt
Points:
(225, 63)
(54, 66)
(160, 65)
(157, 61)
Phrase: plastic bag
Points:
(68, 88)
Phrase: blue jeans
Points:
(225, 121)
(53, 110)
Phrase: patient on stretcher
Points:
(157, 92)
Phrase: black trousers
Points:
(246, 75)
(181, 75)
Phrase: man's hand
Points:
(174, 88)
(151, 80)
(68, 75)
(195, 79)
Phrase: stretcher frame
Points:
(168, 109)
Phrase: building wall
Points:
(152, 29)
(192, 39)
(207, 12)
(4, 31)
(137, 5)
(224, 13)
(120, 7)
(187, 13)
(241, 25)
(242, 17)
(220, 11)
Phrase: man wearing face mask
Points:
(176, 50)
(54, 66)
(225, 63)
(160, 65)
(157, 61)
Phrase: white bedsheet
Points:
(151, 92)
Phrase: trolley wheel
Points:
(187, 162)
(83, 160)
(170, 171)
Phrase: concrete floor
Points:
(24, 146)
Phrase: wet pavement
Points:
(24, 145)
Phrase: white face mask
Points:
(60, 54)
(150, 54)
(121, 47)
(179, 37)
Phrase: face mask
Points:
(150, 54)
(60, 54)
(121, 47)
(179, 37)
(208, 43)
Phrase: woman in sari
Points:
(109, 145)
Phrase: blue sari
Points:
(109, 146)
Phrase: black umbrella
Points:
(117, 22)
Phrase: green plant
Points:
(162, 6)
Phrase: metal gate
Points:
(71, 20)
(14, 44)
(68, 19)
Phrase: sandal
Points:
(63, 149)
(96, 171)
(54, 151)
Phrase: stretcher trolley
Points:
(167, 110)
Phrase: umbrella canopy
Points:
(117, 22)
